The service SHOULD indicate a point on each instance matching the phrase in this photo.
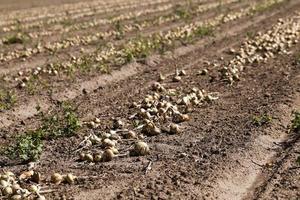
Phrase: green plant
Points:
(15, 39)
(298, 60)
(64, 124)
(104, 69)
(203, 31)
(66, 22)
(36, 85)
(137, 49)
(250, 34)
(118, 26)
(262, 7)
(7, 99)
(28, 147)
(32, 84)
(182, 12)
(119, 29)
(136, 123)
(262, 120)
(295, 127)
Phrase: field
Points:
(140, 99)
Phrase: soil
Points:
(220, 153)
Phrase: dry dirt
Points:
(220, 153)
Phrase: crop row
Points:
(262, 47)
(69, 25)
(61, 11)
(119, 32)
(99, 22)
(162, 111)
(141, 47)
(39, 24)
(83, 25)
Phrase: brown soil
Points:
(220, 152)
(17, 5)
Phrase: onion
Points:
(140, 149)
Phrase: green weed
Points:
(262, 120)
(7, 99)
(28, 147)
(18, 38)
(298, 59)
(262, 7)
(35, 84)
(104, 69)
(136, 123)
(295, 127)
(119, 29)
(64, 124)
(204, 31)
(182, 12)
(250, 34)
(31, 85)
(66, 22)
